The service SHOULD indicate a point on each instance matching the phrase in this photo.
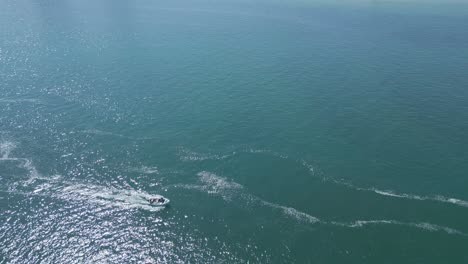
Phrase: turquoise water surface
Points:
(281, 131)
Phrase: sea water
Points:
(281, 131)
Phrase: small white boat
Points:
(158, 200)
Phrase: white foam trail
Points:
(101, 133)
(112, 197)
(33, 173)
(301, 216)
(228, 190)
(5, 149)
(214, 184)
(432, 227)
(188, 155)
(66, 155)
(146, 170)
(53, 186)
(24, 100)
(105, 133)
(194, 156)
(390, 193)
(196, 187)
(265, 151)
(308, 166)
(109, 197)
(28, 166)
(451, 200)
(425, 226)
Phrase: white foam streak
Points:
(264, 151)
(194, 156)
(111, 197)
(437, 198)
(301, 216)
(308, 166)
(146, 170)
(55, 187)
(110, 134)
(228, 190)
(5, 151)
(28, 165)
(108, 197)
(24, 100)
(451, 200)
(188, 155)
(101, 133)
(432, 227)
(214, 184)
(425, 226)
(6, 148)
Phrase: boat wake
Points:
(112, 197)
(20, 100)
(102, 133)
(424, 226)
(213, 184)
(231, 191)
(390, 193)
(145, 169)
(5, 149)
(35, 184)
(188, 155)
